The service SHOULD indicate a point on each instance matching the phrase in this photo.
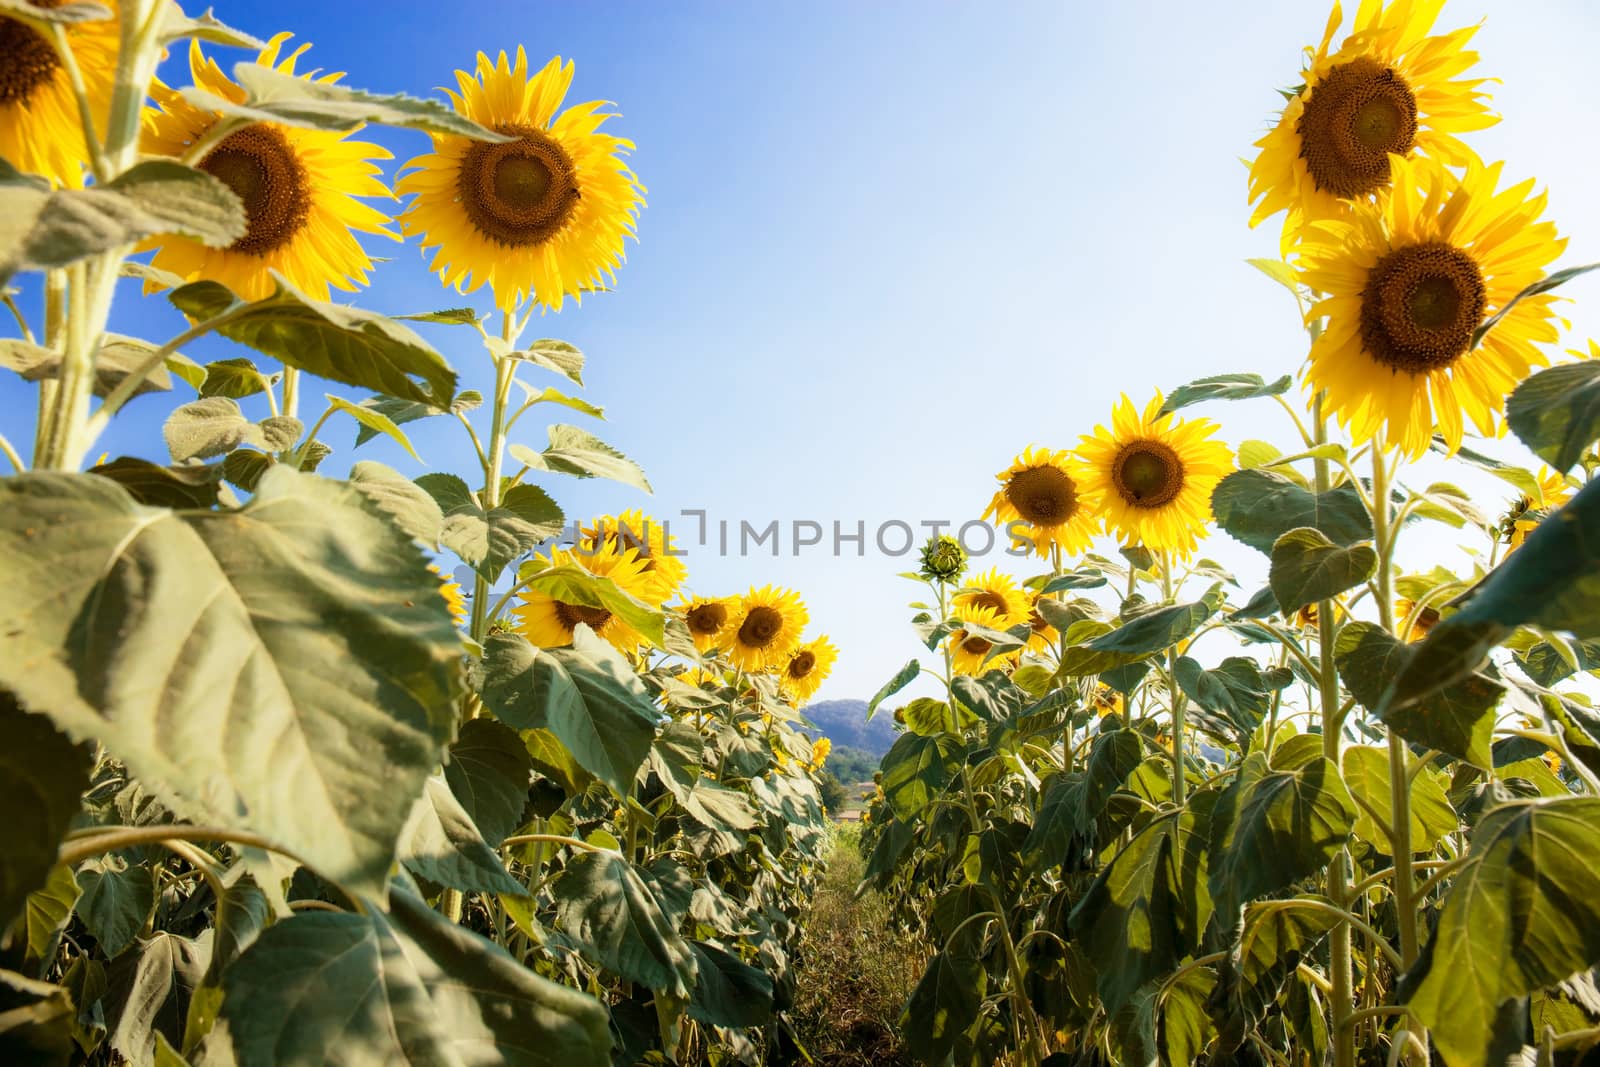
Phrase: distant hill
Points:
(844, 722)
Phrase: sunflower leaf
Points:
(406, 502)
(373, 420)
(308, 626)
(442, 844)
(488, 541)
(1543, 285)
(401, 411)
(903, 677)
(43, 229)
(1308, 567)
(446, 317)
(582, 455)
(559, 356)
(118, 357)
(236, 378)
(66, 14)
(553, 395)
(572, 584)
(1224, 387)
(334, 341)
(1556, 412)
(176, 26)
(1260, 506)
(42, 779)
(186, 485)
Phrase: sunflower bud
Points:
(943, 559)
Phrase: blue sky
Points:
(889, 245)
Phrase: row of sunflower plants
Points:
(1343, 808)
(276, 791)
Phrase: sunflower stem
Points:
(1180, 783)
(291, 392)
(1338, 883)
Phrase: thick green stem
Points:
(1180, 782)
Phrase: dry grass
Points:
(855, 971)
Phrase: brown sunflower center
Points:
(572, 614)
(1147, 474)
(990, 599)
(802, 664)
(261, 168)
(26, 59)
(1352, 120)
(975, 645)
(707, 619)
(1045, 496)
(1037, 623)
(519, 193)
(1420, 307)
(761, 627)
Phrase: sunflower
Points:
(40, 128)
(969, 652)
(1042, 637)
(1407, 286)
(820, 748)
(299, 189)
(635, 532)
(455, 599)
(1553, 491)
(999, 592)
(549, 623)
(1151, 475)
(808, 667)
(544, 215)
(1039, 489)
(1106, 701)
(764, 629)
(1415, 619)
(707, 618)
(1392, 89)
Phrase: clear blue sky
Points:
(888, 245)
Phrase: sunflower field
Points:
(308, 763)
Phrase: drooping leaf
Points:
(1522, 915)
(678, 757)
(1556, 412)
(1259, 506)
(42, 779)
(929, 717)
(1224, 387)
(373, 420)
(583, 455)
(488, 770)
(276, 96)
(553, 395)
(401, 411)
(149, 993)
(1147, 908)
(559, 356)
(43, 229)
(1145, 635)
(176, 26)
(190, 642)
(1280, 821)
(1112, 757)
(1276, 935)
(410, 988)
(1307, 567)
(571, 584)
(46, 911)
(1553, 280)
(588, 696)
(728, 991)
(944, 1004)
(1457, 720)
(446, 317)
(403, 500)
(1552, 581)
(443, 845)
(903, 677)
(116, 901)
(334, 341)
(118, 357)
(1236, 690)
(916, 769)
(603, 904)
(525, 518)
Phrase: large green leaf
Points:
(42, 779)
(117, 900)
(728, 991)
(489, 770)
(1144, 635)
(195, 643)
(679, 760)
(603, 903)
(1236, 690)
(215, 425)
(583, 455)
(272, 95)
(43, 229)
(235, 378)
(1307, 567)
(1224, 387)
(488, 540)
(1556, 412)
(571, 584)
(1275, 936)
(185, 485)
(1278, 822)
(406, 502)
(916, 769)
(1552, 581)
(1146, 910)
(335, 341)
(348, 990)
(944, 1004)
(443, 845)
(1457, 720)
(149, 993)
(375, 421)
(588, 696)
(1366, 773)
(1522, 915)
(118, 357)
(401, 411)
(1258, 507)
(46, 913)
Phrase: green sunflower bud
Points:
(943, 559)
